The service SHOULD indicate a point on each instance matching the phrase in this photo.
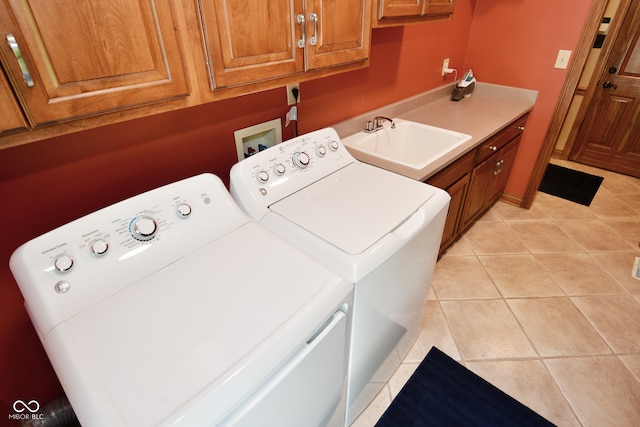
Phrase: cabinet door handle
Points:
(499, 165)
(314, 18)
(303, 40)
(13, 44)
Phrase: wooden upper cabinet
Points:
(75, 58)
(255, 40)
(11, 119)
(252, 40)
(399, 12)
(339, 33)
(396, 8)
(438, 7)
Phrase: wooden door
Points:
(337, 32)
(11, 119)
(480, 185)
(89, 56)
(609, 137)
(458, 192)
(503, 165)
(438, 7)
(251, 41)
(399, 8)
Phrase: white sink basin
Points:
(410, 144)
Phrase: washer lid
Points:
(355, 206)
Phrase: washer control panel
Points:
(272, 174)
(91, 258)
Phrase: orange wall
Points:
(515, 43)
(48, 183)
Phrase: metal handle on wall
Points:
(314, 18)
(303, 40)
(13, 44)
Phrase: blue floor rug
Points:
(441, 392)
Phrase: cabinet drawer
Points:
(453, 172)
(498, 141)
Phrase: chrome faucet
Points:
(376, 124)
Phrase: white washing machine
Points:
(173, 308)
(379, 229)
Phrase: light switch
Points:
(563, 59)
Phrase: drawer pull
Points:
(492, 148)
(13, 44)
(520, 128)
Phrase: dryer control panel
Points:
(273, 174)
(77, 265)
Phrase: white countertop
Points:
(488, 110)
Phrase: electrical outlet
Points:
(563, 59)
(445, 66)
(290, 98)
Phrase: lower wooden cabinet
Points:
(477, 180)
(487, 182)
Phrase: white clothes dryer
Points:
(379, 229)
(173, 308)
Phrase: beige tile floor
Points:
(541, 303)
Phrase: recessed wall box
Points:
(256, 138)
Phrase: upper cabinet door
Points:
(250, 41)
(398, 8)
(438, 7)
(338, 32)
(75, 58)
(11, 118)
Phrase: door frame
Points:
(589, 32)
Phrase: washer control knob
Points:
(333, 145)
(143, 228)
(98, 247)
(262, 176)
(183, 210)
(279, 169)
(321, 150)
(301, 159)
(63, 263)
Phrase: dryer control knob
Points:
(143, 228)
(262, 176)
(98, 247)
(321, 150)
(301, 159)
(333, 145)
(183, 210)
(279, 169)
(63, 263)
